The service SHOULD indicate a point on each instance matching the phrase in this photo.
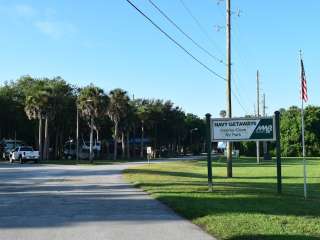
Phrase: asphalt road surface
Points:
(83, 202)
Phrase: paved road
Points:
(82, 202)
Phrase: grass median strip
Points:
(244, 207)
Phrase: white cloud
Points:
(45, 20)
(55, 29)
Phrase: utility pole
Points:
(265, 144)
(77, 135)
(258, 114)
(264, 105)
(229, 103)
(40, 138)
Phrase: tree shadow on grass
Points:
(233, 197)
(189, 174)
(290, 190)
(200, 205)
(166, 173)
(273, 237)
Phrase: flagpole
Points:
(303, 140)
(303, 154)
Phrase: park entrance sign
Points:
(243, 129)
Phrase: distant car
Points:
(8, 145)
(24, 154)
(96, 145)
(70, 151)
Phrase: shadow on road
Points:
(37, 196)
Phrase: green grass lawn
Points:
(244, 207)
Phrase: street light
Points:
(91, 129)
(77, 155)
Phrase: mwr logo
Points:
(264, 129)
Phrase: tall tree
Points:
(127, 125)
(142, 114)
(61, 104)
(118, 109)
(36, 105)
(93, 104)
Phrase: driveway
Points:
(83, 202)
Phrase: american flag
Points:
(304, 93)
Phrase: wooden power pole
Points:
(264, 105)
(229, 103)
(265, 144)
(258, 114)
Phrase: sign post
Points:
(208, 120)
(243, 129)
(246, 129)
(149, 153)
(278, 152)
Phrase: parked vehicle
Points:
(70, 150)
(96, 145)
(7, 145)
(23, 154)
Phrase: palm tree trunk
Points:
(36, 140)
(155, 141)
(45, 148)
(56, 145)
(97, 135)
(40, 138)
(134, 141)
(115, 148)
(48, 146)
(107, 149)
(142, 138)
(61, 143)
(91, 140)
(123, 145)
(128, 144)
(97, 140)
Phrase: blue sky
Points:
(109, 44)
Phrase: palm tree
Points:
(36, 105)
(143, 113)
(126, 126)
(118, 107)
(61, 102)
(92, 105)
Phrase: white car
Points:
(9, 145)
(23, 154)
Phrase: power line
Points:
(184, 33)
(235, 80)
(236, 76)
(195, 19)
(185, 50)
(239, 102)
(202, 29)
(175, 42)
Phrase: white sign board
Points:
(243, 129)
(149, 150)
